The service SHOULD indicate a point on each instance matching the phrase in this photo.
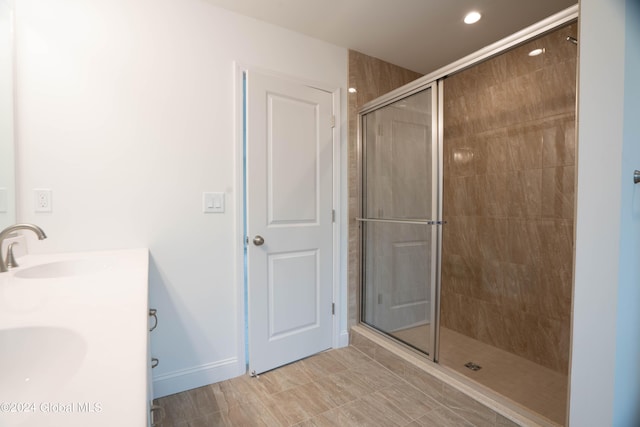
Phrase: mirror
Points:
(7, 164)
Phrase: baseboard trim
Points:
(343, 339)
(198, 376)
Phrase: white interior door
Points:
(289, 204)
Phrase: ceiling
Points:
(421, 35)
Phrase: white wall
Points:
(125, 109)
(607, 223)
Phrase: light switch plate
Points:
(212, 202)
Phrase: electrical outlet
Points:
(42, 199)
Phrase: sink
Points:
(36, 361)
(73, 330)
(67, 268)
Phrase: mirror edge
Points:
(7, 114)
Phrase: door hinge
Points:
(333, 308)
(333, 215)
(332, 121)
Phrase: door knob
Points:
(258, 240)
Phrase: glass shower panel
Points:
(399, 161)
(399, 206)
(398, 281)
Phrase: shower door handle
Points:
(258, 240)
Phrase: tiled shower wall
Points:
(372, 78)
(509, 155)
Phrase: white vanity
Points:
(74, 340)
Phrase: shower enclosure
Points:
(401, 217)
(466, 218)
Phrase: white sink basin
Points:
(67, 268)
(35, 361)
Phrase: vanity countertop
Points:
(73, 340)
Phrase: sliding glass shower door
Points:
(399, 221)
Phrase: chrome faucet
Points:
(9, 230)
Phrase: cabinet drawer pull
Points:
(154, 362)
(153, 313)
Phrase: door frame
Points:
(339, 339)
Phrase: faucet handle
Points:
(8, 231)
(11, 262)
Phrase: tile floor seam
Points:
(400, 409)
(351, 402)
(285, 424)
(312, 416)
(405, 381)
(440, 404)
(309, 417)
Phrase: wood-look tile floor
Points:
(341, 387)
(533, 386)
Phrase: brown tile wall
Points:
(372, 78)
(509, 179)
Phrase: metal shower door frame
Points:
(436, 202)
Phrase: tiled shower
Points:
(509, 152)
(508, 202)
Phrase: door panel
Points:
(292, 144)
(289, 175)
(294, 289)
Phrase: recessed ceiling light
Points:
(352, 90)
(536, 52)
(472, 17)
